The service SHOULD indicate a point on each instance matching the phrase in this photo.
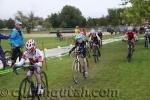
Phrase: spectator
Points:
(2, 55)
(77, 30)
(84, 32)
(17, 41)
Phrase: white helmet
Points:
(147, 30)
(130, 28)
(30, 45)
(93, 31)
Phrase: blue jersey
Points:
(2, 36)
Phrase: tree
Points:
(114, 16)
(54, 19)
(10, 23)
(2, 24)
(138, 12)
(47, 24)
(71, 16)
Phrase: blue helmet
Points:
(79, 36)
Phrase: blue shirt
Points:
(3, 37)
(17, 38)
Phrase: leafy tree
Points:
(71, 16)
(2, 25)
(54, 19)
(10, 23)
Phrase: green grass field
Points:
(113, 72)
(49, 42)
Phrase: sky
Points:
(43, 8)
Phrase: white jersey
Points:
(37, 57)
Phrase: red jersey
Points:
(130, 35)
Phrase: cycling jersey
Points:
(95, 39)
(130, 35)
(2, 36)
(100, 34)
(35, 59)
(77, 31)
(82, 48)
(147, 34)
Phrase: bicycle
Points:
(77, 70)
(96, 53)
(28, 89)
(7, 58)
(130, 50)
(146, 42)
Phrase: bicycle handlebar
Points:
(23, 66)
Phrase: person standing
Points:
(77, 30)
(2, 54)
(84, 32)
(17, 42)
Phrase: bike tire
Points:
(30, 91)
(76, 71)
(95, 54)
(129, 54)
(8, 55)
(44, 79)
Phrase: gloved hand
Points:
(70, 52)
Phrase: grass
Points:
(49, 42)
(112, 72)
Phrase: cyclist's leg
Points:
(38, 79)
(98, 47)
(84, 61)
(133, 44)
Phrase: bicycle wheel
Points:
(44, 84)
(88, 53)
(8, 57)
(129, 53)
(26, 90)
(76, 70)
(95, 54)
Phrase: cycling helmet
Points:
(77, 26)
(93, 31)
(30, 45)
(147, 30)
(79, 36)
(130, 28)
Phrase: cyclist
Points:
(2, 55)
(77, 30)
(131, 36)
(147, 34)
(95, 39)
(84, 32)
(80, 45)
(100, 34)
(35, 57)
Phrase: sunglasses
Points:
(20, 24)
